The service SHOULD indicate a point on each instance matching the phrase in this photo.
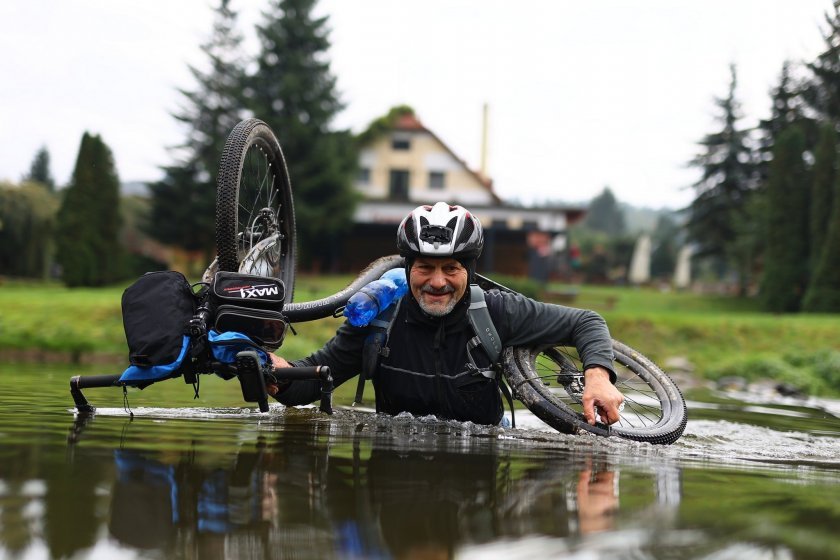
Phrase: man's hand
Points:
(277, 362)
(600, 394)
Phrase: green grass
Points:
(719, 335)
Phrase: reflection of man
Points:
(424, 370)
(596, 501)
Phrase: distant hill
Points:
(134, 188)
(638, 220)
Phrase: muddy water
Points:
(753, 477)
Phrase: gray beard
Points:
(436, 311)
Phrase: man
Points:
(425, 370)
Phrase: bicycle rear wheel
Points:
(255, 215)
(549, 381)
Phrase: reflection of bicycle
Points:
(255, 233)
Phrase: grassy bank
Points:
(720, 336)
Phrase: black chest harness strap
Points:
(376, 345)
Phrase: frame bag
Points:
(251, 305)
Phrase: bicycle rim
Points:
(255, 217)
(546, 381)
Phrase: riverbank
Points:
(710, 337)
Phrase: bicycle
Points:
(255, 233)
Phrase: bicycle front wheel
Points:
(255, 214)
(549, 381)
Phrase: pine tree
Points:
(823, 293)
(822, 190)
(294, 91)
(822, 92)
(719, 208)
(39, 171)
(785, 110)
(604, 214)
(88, 221)
(786, 225)
(183, 202)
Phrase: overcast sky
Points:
(582, 94)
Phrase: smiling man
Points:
(425, 367)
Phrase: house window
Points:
(398, 184)
(401, 144)
(436, 180)
(363, 178)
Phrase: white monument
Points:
(640, 264)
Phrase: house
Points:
(403, 164)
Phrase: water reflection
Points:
(359, 492)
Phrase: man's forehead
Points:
(437, 261)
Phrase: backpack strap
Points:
(486, 334)
(375, 347)
(488, 338)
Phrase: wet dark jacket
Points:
(426, 370)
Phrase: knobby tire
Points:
(654, 412)
(253, 177)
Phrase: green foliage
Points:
(666, 240)
(813, 373)
(383, 124)
(294, 91)
(822, 191)
(605, 215)
(27, 224)
(184, 201)
(823, 293)
(39, 172)
(88, 224)
(728, 174)
(786, 224)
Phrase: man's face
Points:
(438, 284)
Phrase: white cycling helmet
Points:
(442, 230)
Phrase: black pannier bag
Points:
(156, 310)
(251, 305)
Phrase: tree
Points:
(822, 190)
(786, 224)
(39, 171)
(719, 208)
(88, 222)
(666, 242)
(604, 214)
(785, 110)
(294, 91)
(822, 92)
(823, 293)
(183, 202)
(27, 222)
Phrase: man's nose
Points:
(438, 279)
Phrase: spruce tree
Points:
(604, 214)
(785, 270)
(39, 171)
(822, 190)
(294, 91)
(822, 92)
(88, 221)
(719, 209)
(823, 293)
(184, 201)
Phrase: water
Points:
(754, 476)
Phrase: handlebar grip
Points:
(90, 381)
(298, 373)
